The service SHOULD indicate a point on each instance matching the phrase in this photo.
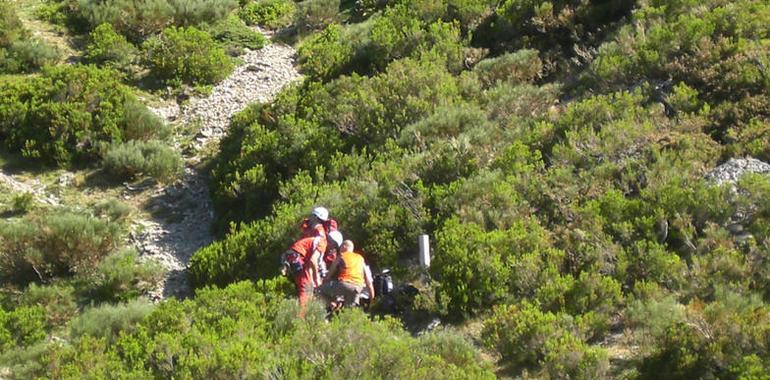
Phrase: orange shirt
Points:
(353, 269)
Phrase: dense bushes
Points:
(140, 19)
(187, 55)
(253, 332)
(68, 113)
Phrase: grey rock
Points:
(732, 170)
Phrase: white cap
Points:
(321, 212)
(336, 236)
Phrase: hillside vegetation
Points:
(557, 152)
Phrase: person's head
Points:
(347, 246)
(318, 215)
(336, 238)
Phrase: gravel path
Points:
(183, 212)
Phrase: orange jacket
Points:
(353, 269)
(314, 239)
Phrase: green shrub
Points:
(107, 47)
(462, 246)
(19, 51)
(143, 124)
(108, 321)
(21, 326)
(325, 55)
(523, 66)
(235, 35)
(381, 348)
(525, 336)
(709, 340)
(23, 202)
(121, 277)
(268, 13)
(27, 55)
(58, 302)
(67, 113)
(60, 244)
(138, 20)
(188, 55)
(315, 15)
(151, 158)
(114, 210)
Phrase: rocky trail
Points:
(182, 212)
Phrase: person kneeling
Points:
(347, 278)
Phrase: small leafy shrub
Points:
(523, 66)
(20, 52)
(21, 326)
(236, 36)
(188, 55)
(59, 244)
(122, 277)
(460, 246)
(314, 15)
(397, 355)
(107, 47)
(704, 339)
(27, 55)
(114, 210)
(23, 202)
(325, 55)
(108, 321)
(58, 301)
(528, 337)
(145, 125)
(152, 158)
(268, 13)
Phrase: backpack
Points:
(291, 263)
(383, 283)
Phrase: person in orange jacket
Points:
(347, 278)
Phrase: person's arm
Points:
(315, 274)
(332, 274)
(368, 280)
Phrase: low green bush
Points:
(19, 51)
(59, 244)
(21, 326)
(107, 47)
(315, 15)
(122, 277)
(187, 55)
(235, 35)
(523, 66)
(109, 321)
(527, 337)
(114, 210)
(268, 13)
(58, 301)
(325, 55)
(151, 158)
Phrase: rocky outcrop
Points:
(735, 168)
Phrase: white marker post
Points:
(424, 251)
